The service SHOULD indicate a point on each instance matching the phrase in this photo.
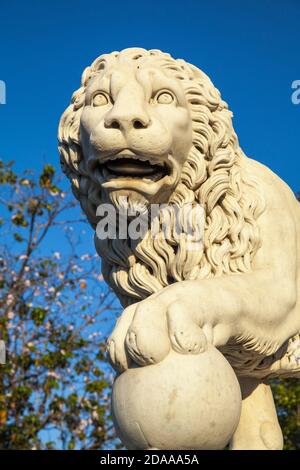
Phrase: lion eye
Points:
(100, 99)
(165, 98)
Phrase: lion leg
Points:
(258, 428)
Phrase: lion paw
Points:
(146, 331)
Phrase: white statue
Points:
(149, 129)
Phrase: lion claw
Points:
(189, 340)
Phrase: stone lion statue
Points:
(153, 129)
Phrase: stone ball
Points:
(184, 402)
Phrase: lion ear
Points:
(192, 70)
(213, 95)
(197, 73)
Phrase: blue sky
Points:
(250, 49)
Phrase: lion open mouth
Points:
(128, 167)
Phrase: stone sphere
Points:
(184, 402)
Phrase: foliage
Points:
(54, 387)
(287, 398)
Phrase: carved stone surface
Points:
(146, 129)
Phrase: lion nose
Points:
(127, 121)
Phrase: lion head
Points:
(155, 129)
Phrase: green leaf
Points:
(18, 237)
(47, 176)
(38, 315)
